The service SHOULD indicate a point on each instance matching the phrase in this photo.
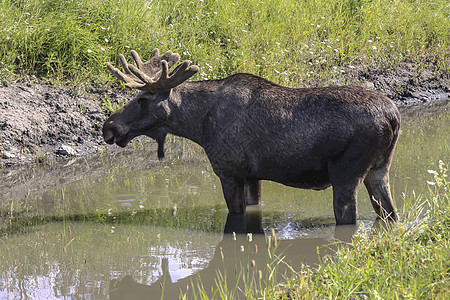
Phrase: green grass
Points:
(295, 43)
(109, 105)
(408, 260)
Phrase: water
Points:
(121, 225)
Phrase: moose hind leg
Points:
(253, 192)
(377, 184)
(344, 204)
(346, 174)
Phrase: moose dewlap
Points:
(253, 130)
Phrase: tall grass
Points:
(290, 42)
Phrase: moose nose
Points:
(108, 133)
(108, 137)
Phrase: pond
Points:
(123, 225)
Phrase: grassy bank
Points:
(291, 42)
(410, 260)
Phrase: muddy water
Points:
(123, 225)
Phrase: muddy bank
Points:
(407, 83)
(41, 122)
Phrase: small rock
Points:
(369, 85)
(7, 155)
(66, 150)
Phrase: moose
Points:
(253, 129)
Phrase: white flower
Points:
(433, 172)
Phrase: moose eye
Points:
(145, 100)
(141, 100)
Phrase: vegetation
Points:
(296, 43)
(408, 260)
(291, 42)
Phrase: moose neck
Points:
(190, 103)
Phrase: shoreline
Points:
(41, 123)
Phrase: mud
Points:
(40, 122)
(408, 83)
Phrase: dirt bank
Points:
(41, 122)
(407, 83)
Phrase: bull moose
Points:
(253, 129)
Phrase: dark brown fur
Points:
(253, 130)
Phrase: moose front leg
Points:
(253, 192)
(234, 193)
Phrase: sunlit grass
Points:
(291, 42)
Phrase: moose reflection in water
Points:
(253, 129)
(236, 257)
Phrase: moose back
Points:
(253, 130)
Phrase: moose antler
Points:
(153, 76)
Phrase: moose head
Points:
(146, 113)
